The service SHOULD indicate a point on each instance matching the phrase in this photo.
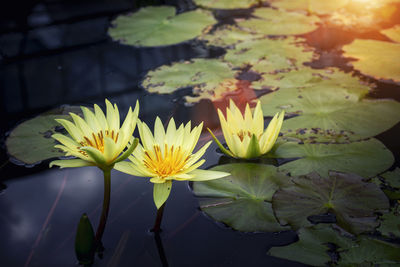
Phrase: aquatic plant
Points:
(166, 156)
(97, 140)
(245, 135)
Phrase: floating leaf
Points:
(390, 183)
(308, 77)
(270, 55)
(390, 224)
(240, 200)
(31, 142)
(227, 36)
(378, 59)
(158, 25)
(365, 158)
(314, 246)
(371, 252)
(322, 246)
(345, 195)
(203, 74)
(226, 4)
(331, 107)
(277, 22)
(392, 178)
(393, 33)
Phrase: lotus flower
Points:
(97, 140)
(168, 156)
(245, 135)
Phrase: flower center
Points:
(243, 133)
(165, 164)
(97, 140)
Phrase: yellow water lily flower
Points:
(168, 156)
(245, 135)
(97, 140)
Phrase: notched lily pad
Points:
(344, 195)
(317, 246)
(277, 22)
(371, 252)
(390, 224)
(390, 183)
(227, 36)
(378, 59)
(158, 25)
(334, 108)
(201, 74)
(270, 55)
(30, 142)
(313, 6)
(308, 77)
(241, 200)
(226, 4)
(365, 158)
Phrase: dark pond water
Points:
(58, 52)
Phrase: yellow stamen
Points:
(165, 165)
(97, 140)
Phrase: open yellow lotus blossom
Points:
(97, 140)
(168, 156)
(245, 135)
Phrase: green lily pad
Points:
(378, 59)
(365, 158)
(308, 77)
(31, 143)
(345, 195)
(322, 246)
(158, 25)
(202, 74)
(392, 178)
(390, 224)
(226, 4)
(227, 36)
(393, 33)
(241, 199)
(277, 22)
(270, 55)
(314, 246)
(390, 183)
(371, 252)
(317, 6)
(332, 108)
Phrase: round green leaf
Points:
(270, 55)
(345, 195)
(317, 6)
(226, 4)
(393, 33)
(312, 247)
(241, 199)
(371, 252)
(202, 74)
(365, 158)
(227, 36)
(30, 142)
(156, 26)
(390, 224)
(332, 108)
(392, 178)
(308, 77)
(277, 22)
(378, 59)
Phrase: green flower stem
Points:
(106, 207)
(157, 224)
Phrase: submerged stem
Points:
(106, 207)
(157, 224)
